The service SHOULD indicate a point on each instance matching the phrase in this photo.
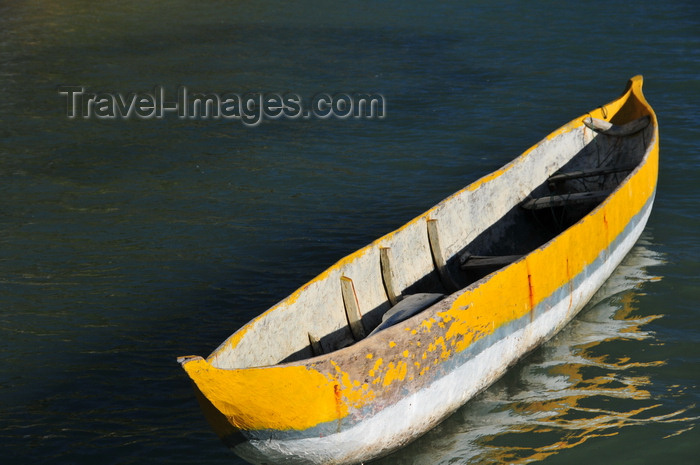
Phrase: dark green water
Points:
(125, 243)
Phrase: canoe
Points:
(390, 340)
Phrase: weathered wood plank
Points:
(480, 261)
(438, 256)
(352, 308)
(559, 177)
(609, 129)
(389, 285)
(562, 200)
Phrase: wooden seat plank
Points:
(481, 261)
(559, 177)
(562, 200)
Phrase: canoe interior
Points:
(461, 240)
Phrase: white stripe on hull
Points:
(412, 416)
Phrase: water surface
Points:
(124, 244)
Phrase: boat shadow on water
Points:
(570, 390)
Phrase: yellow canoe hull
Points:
(271, 397)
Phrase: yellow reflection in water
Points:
(568, 414)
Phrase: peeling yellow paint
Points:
(377, 364)
(348, 389)
(428, 324)
(395, 372)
